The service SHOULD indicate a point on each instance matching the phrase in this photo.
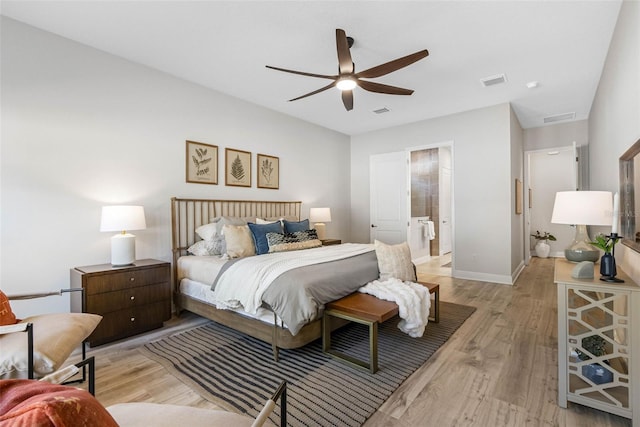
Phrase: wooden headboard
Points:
(189, 214)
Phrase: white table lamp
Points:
(122, 218)
(319, 216)
(582, 208)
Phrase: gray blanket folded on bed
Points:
(298, 295)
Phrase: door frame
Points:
(527, 185)
(449, 144)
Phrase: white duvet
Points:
(256, 273)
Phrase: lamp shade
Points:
(320, 215)
(583, 208)
(121, 218)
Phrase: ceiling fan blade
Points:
(380, 88)
(345, 63)
(302, 73)
(322, 89)
(391, 66)
(347, 99)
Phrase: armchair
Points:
(38, 345)
(142, 414)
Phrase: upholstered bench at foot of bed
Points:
(367, 310)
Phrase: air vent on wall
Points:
(381, 110)
(493, 80)
(559, 117)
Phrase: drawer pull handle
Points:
(133, 319)
(132, 298)
(132, 279)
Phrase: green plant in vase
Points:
(542, 247)
(604, 243)
(607, 262)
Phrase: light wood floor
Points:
(498, 369)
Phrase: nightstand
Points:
(329, 242)
(131, 299)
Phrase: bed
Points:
(194, 275)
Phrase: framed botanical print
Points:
(237, 168)
(268, 170)
(202, 163)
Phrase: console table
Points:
(598, 342)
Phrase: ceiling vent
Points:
(493, 80)
(381, 110)
(559, 117)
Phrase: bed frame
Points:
(189, 214)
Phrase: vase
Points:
(608, 265)
(542, 249)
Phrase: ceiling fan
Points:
(347, 79)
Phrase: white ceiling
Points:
(225, 45)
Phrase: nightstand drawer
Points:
(133, 297)
(130, 321)
(127, 279)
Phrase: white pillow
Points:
(233, 220)
(394, 261)
(55, 336)
(207, 231)
(215, 246)
(239, 241)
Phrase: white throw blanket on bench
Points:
(413, 302)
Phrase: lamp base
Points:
(320, 229)
(580, 249)
(123, 249)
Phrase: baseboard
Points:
(482, 277)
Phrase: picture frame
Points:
(237, 168)
(201, 163)
(268, 171)
(518, 197)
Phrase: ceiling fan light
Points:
(346, 84)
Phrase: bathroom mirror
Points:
(630, 196)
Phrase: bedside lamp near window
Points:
(319, 216)
(122, 219)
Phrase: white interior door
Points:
(389, 197)
(550, 171)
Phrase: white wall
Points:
(558, 135)
(614, 122)
(517, 239)
(482, 184)
(82, 128)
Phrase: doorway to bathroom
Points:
(411, 194)
(430, 233)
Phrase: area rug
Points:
(238, 373)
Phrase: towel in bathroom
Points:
(429, 231)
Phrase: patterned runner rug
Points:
(237, 372)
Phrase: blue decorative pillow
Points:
(292, 226)
(259, 232)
